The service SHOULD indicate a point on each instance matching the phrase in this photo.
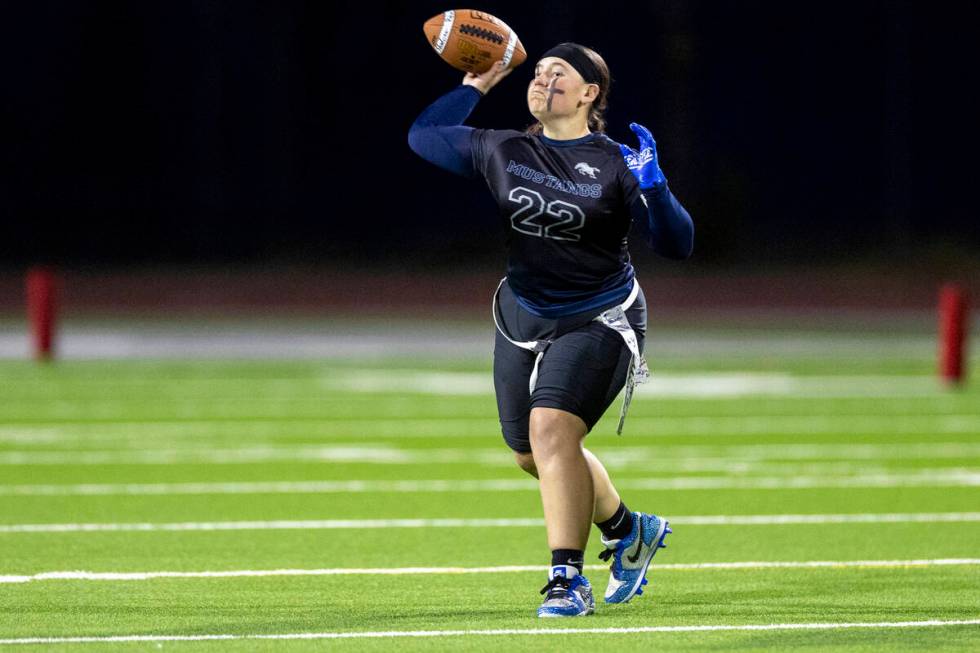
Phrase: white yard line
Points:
(932, 623)
(237, 455)
(661, 384)
(390, 455)
(809, 424)
(269, 428)
(954, 478)
(331, 430)
(931, 478)
(403, 571)
(332, 524)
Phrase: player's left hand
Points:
(643, 164)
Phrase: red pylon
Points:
(42, 308)
(953, 315)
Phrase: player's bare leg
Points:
(567, 493)
(607, 499)
(568, 500)
(644, 534)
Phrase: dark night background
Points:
(244, 132)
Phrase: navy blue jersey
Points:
(566, 206)
(565, 210)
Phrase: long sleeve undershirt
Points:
(439, 136)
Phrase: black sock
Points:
(568, 558)
(619, 525)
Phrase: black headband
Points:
(574, 54)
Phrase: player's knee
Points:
(555, 432)
(526, 462)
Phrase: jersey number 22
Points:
(563, 222)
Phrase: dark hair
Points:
(596, 120)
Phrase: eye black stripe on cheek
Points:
(552, 91)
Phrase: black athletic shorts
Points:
(581, 372)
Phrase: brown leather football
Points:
(472, 40)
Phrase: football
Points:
(473, 40)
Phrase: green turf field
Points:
(383, 495)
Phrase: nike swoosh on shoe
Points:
(639, 544)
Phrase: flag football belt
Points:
(615, 319)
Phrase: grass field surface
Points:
(822, 498)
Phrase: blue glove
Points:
(643, 164)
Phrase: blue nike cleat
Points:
(567, 597)
(632, 555)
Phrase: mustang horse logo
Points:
(585, 169)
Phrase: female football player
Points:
(570, 315)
